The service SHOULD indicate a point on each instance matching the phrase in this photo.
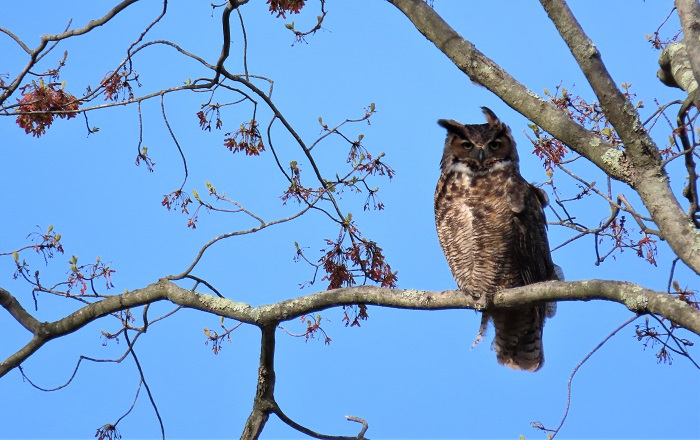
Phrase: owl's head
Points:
(478, 148)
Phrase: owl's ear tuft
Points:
(491, 117)
(451, 125)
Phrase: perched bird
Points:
(492, 229)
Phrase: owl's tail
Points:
(518, 340)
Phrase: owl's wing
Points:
(531, 247)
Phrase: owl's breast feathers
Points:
(492, 229)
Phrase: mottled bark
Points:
(675, 69)
(689, 13)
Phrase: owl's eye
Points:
(495, 144)
(467, 145)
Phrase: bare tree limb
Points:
(17, 40)
(636, 298)
(264, 402)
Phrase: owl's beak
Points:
(481, 156)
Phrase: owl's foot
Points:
(474, 295)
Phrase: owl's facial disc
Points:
(478, 148)
(480, 152)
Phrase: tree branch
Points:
(642, 170)
(636, 298)
(45, 39)
(486, 72)
(304, 430)
(617, 107)
(18, 312)
(264, 402)
(689, 13)
(647, 176)
(145, 384)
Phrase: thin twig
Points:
(136, 397)
(145, 384)
(681, 350)
(177, 144)
(200, 280)
(304, 430)
(245, 45)
(580, 364)
(233, 234)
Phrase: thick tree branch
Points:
(486, 72)
(642, 170)
(636, 298)
(617, 107)
(689, 13)
(648, 177)
(675, 69)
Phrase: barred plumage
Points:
(492, 229)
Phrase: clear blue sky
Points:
(410, 374)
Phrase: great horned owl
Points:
(492, 228)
